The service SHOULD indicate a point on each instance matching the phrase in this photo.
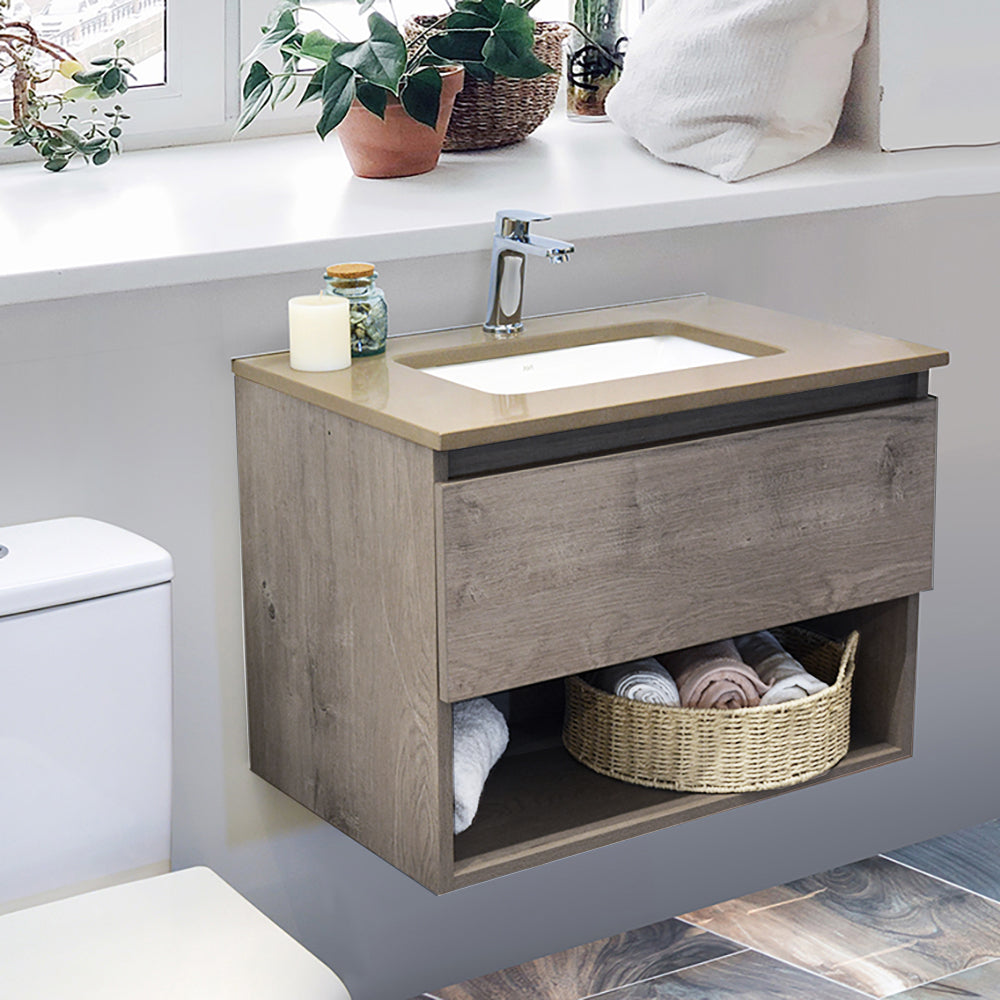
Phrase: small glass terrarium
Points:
(369, 314)
(596, 54)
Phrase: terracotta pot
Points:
(397, 146)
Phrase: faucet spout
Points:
(512, 241)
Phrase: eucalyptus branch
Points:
(66, 138)
(33, 39)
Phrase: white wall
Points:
(120, 407)
(927, 75)
(939, 72)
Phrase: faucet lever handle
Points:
(514, 222)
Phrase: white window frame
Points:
(198, 101)
(194, 96)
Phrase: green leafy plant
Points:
(486, 37)
(32, 61)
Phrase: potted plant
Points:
(391, 96)
(596, 56)
(45, 121)
(491, 110)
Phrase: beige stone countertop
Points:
(790, 354)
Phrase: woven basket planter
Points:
(499, 113)
(712, 750)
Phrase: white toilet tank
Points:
(85, 708)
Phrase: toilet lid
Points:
(68, 559)
(180, 936)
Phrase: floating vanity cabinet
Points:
(410, 542)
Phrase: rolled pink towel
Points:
(713, 676)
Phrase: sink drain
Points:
(3, 551)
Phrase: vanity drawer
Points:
(557, 569)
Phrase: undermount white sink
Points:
(586, 364)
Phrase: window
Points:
(182, 55)
(88, 28)
(187, 55)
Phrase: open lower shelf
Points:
(544, 805)
(539, 804)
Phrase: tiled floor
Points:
(922, 923)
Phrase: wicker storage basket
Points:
(504, 111)
(712, 750)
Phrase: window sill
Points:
(278, 205)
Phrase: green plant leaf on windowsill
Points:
(421, 96)
(84, 91)
(280, 28)
(372, 97)
(314, 88)
(509, 50)
(257, 90)
(476, 14)
(319, 47)
(338, 93)
(284, 84)
(381, 58)
(460, 46)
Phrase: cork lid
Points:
(357, 269)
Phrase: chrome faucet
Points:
(511, 241)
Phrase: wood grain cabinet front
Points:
(384, 581)
(563, 568)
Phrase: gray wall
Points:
(120, 407)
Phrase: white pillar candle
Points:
(319, 333)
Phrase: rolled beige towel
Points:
(639, 680)
(785, 677)
(713, 676)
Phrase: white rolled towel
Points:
(785, 677)
(641, 680)
(479, 735)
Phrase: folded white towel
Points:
(786, 678)
(640, 680)
(479, 736)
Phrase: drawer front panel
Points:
(548, 571)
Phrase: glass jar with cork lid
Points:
(369, 314)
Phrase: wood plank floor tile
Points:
(597, 967)
(876, 926)
(982, 983)
(970, 858)
(747, 975)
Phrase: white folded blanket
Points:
(640, 680)
(479, 735)
(785, 677)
